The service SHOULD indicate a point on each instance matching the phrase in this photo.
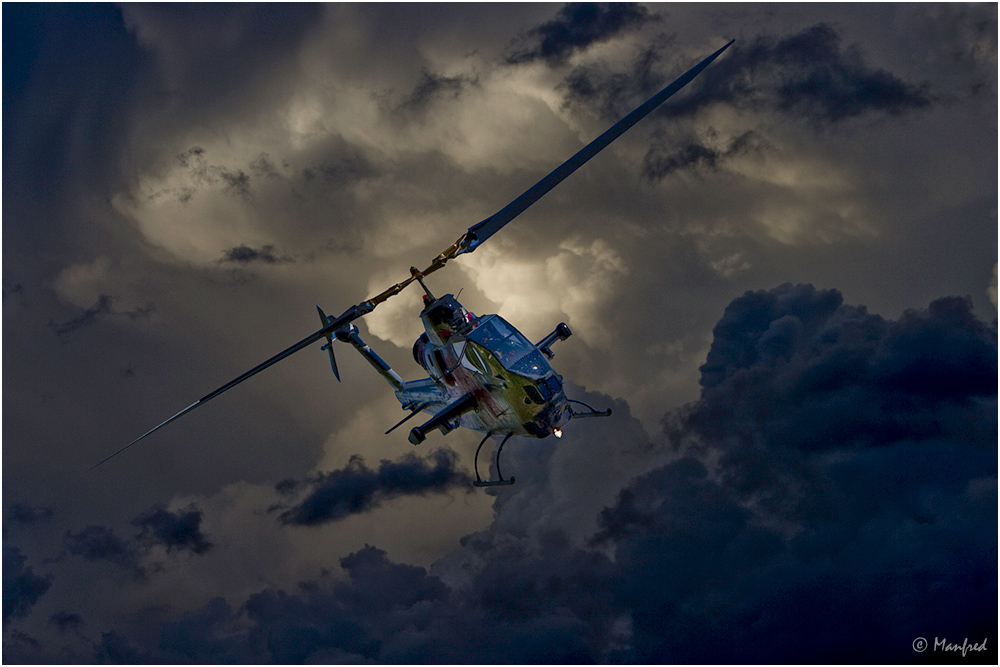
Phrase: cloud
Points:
(28, 516)
(614, 94)
(174, 530)
(87, 317)
(244, 254)
(117, 649)
(103, 307)
(991, 291)
(824, 434)
(96, 543)
(21, 586)
(66, 621)
(335, 621)
(202, 633)
(358, 488)
(575, 27)
(159, 527)
(665, 158)
(574, 280)
(806, 75)
(201, 174)
(807, 347)
(434, 86)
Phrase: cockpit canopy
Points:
(509, 346)
(445, 316)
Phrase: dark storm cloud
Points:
(28, 516)
(244, 254)
(614, 94)
(21, 586)
(522, 608)
(97, 543)
(807, 75)
(88, 316)
(117, 649)
(358, 488)
(434, 86)
(342, 163)
(13, 289)
(575, 27)
(331, 622)
(101, 308)
(263, 166)
(66, 621)
(813, 365)
(343, 622)
(664, 157)
(220, 76)
(201, 633)
(158, 527)
(839, 437)
(174, 530)
(234, 181)
(56, 58)
(849, 586)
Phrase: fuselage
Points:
(516, 391)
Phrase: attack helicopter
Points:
(483, 374)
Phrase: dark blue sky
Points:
(784, 283)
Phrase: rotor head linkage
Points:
(420, 279)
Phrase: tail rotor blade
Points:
(329, 343)
(333, 360)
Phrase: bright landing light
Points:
(557, 432)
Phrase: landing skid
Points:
(475, 463)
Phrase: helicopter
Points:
(482, 373)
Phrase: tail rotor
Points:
(329, 343)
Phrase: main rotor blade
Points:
(491, 225)
(352, 313)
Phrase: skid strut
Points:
(475, 463)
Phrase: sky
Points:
(783, 282)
